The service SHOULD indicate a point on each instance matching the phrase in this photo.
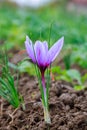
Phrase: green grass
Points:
(8, 88)
(16, 23)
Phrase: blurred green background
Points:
(49, 22)
(17, 22)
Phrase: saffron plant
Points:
(7, 86)
(42, 57)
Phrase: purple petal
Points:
(29, 49)
(40, 52)
(28, 40)
(55, 50)
(45, 45)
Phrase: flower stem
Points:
(46, 111)
(43, 83)
(47, 116)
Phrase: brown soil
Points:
(68, 108)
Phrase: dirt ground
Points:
(68, 108)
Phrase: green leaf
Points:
(74, 75)
(26, 66)
(7, 86)
(56, 69)
(79, 87)
(84, 78)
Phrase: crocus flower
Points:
(43, 57)
(40, 54)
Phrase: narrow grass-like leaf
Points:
(7, 86)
